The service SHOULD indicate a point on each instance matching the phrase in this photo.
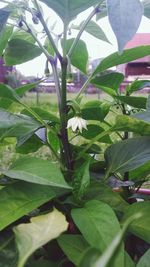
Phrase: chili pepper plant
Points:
(80, 207)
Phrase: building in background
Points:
(140, 68)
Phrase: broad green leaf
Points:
(138, 85)
(96, 221)
(89, 257)
(21, 198)
(139, 227)
(81, 180)
(30, 146)
(4, 14)
(22, 35)
(130, 124)
(124, 20)
(35, 170)
(134, 101)
(146, 8)
(12, 125)
(106, 259)
(111, 80)
(79, 57)
(68, 10)
(19, 51)
(53, 140)
(127, 56)
(45, 115)
(7, 92)
(73, 246)
(102, 192)
(41, 230)
(93, 131)
(144, 260)
(4, 37)
(94, 29)
(95, 110)
(128, 154)
(141, 173)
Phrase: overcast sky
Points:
(96, 48)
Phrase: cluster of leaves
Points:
(74, 192)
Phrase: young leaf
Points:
(79, 57)
(38, 232)
(127, 56)
(96, 221)
(73, 246)
(4, 37)
(107, 257)
(134, 101)
(111, 80)
(21, 198)
(81, 180)
(95, 110)
(128, 154)
(94, 29)
(138, 85)
(139, 227)
(68, 10)
(124, 20)
(35, 170)
(144, 260)
(19, 51)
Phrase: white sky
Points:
(96, 48)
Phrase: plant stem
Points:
(81, 31)
(84, 87)
(47, 30)
(126, 136)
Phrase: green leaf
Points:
(4, 37)
(139, 227)
(127, 56)
(124, 20)
(22, 35)
(102, 192)
(94, 29)
(25, 88)
(146, 8)
(7, 92)
(96, 221)
(68, 10)
(21, 198)
(48, 46)
(29, 146)
(93, 130)
(106, 259)
(95, 110)
(111, 80)
(141, 173)
(18, 126)
(73, 246)
(128, 154)
(128, 261)
(79, 57)
(138, 85)
(130, 124)
(19, 51)
(81, 180)
(35, 170)
(4, 14)
(41, 230)
(134, 101)
(45, 115)
(144, 260)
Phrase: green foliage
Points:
(90, 175)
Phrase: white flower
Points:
(77, 123)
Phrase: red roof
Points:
(138, 40)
